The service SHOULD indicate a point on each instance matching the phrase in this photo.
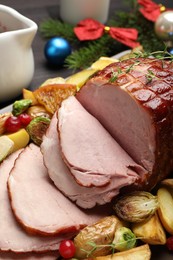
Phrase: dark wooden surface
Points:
(39, 11)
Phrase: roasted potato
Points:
(81, 77)
(150, 231)
(139, 253)
(166, 208)
(28, 94)
(100, 233)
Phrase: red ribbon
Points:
(89, 29)
(149, 9)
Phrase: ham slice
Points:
(60, 174)
(37, 204)
(132, 99)
(28, 256)
(94, 158)
(12, 236)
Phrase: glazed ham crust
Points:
(133, 100)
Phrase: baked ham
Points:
(38, 205)
(133, 100)
(94, 158)
(61, 176)
(12, 237)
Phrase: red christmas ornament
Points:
(150, 10)
(90, 29)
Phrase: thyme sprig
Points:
(112, 246)
(161, 55)
(150, 75)
(115, 75)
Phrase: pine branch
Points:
(86, 55)
(51, 28)
(88, 51)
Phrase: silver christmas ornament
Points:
(164, 27)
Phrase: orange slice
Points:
(51, 96)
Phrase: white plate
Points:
(117, 56)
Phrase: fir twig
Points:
(89, 51)
(86, 55)
(51, 28)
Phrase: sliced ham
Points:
(133, 100)
(37, 204)
(94, 158)
(60, 174)
(28, 256)
(12, 236)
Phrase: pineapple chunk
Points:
(53, 81)
(27, 94)
(6, 147)
(20, 139)
(81, 77)
(102, 63)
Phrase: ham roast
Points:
(133, 100)
(60, 174)
(38, 205)
(90, 151)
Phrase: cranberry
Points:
(169, 243)
(12, 124)
(25, 119)
(67, 249)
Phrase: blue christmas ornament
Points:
(56, 50)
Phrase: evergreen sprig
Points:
(85, 53)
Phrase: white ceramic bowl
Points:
(16, 57)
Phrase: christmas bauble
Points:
(164, 26)
(56, 50)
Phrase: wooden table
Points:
(39, 11)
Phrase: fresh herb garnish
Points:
(150, 75)
(115, 75)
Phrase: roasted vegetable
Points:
(138, 253)
(6, 147)
(103, 62)
(136, 206)
(19, 106)
(20, 138)
(166, 208)
(51, 96)
(37, 128)
(38, 110)
(3, 118)
(94, 240)
(168, 183)
(80, 78)
(124, 239)
(28, 94)
(150, 231)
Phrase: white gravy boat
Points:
(16, 57)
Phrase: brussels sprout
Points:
(136, 206)
(37, 128)
(96, 239)
(19, 106)
(124, 239)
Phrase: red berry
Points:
(67, 249)
(25, 119)
(169, 243)
(12, 124)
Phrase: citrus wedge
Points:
(51, 96)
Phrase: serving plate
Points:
(158, 252)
